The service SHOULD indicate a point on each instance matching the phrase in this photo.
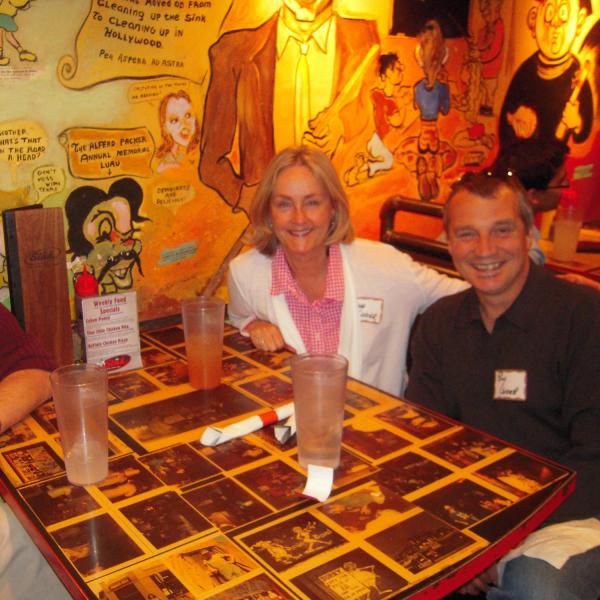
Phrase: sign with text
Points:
(112, 336)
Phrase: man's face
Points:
(394, 73)
(557, 24)
(108, 227)
(489, 9)
(307, 10)
(489, 244)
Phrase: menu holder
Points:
(37, 270)
(112, 336)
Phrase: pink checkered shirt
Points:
(318, 322)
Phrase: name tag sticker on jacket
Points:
(370, 310)
(510, 385)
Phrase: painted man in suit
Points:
(252, 106)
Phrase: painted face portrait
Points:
(394, 73)
(102, 231)
(108, 227)
(307, 10)
(179, 130)
(180, 121)
(557, 23)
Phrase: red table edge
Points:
(465, 573)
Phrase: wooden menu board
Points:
(420, 503)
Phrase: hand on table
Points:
(482, 583)
(266, 336)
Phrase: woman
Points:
(309, 286)
(179, 129)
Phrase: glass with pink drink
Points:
(203, 323)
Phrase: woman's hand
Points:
(265, 335)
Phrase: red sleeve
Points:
(18, 349)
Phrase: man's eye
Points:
(103, 237)
(465, 235)
(563, 13)
(503, 231)
(105, 228)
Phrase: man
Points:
(252, 104)
(549, 96)
(518, 324)
(24, 385)
(540, 167)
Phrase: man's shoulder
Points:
(242, 44)
(574, 295)
(445, 309)
(356, 24)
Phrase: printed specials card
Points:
(112, 336)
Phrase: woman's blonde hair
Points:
(261, 234)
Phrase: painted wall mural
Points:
(151, 121)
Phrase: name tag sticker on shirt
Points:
(510, 385)
(370, 310)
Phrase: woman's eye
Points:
(282, 204)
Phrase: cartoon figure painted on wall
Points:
(8, 27)
(489, 43)
(180, 132)
(432, 94)
(474, 139)
(426, 155)
(549, 95)
(102, 232)
(389, 99)
(297, 77)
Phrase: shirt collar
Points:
(321, 35)
(521, 312)
(283, 281)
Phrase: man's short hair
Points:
(387, 61)
(487, 184)
(535, 162)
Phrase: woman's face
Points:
(180, 121)
(301, 213)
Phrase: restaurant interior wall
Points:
(121, 118)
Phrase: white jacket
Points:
(385, 290)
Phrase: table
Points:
(420, 503)
(585, 263)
